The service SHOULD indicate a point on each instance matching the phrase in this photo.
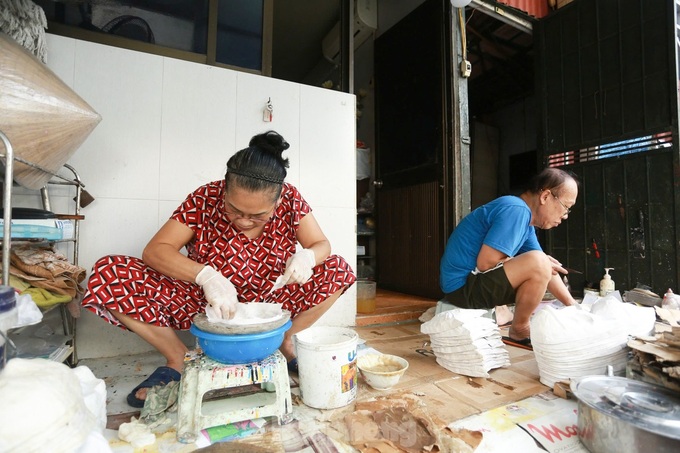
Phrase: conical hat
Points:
(44, 119)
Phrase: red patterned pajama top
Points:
(126, 284)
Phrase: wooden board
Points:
(440, 387)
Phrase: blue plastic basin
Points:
(237, 349)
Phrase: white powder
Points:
(249, 314)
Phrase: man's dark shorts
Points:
(486, 291)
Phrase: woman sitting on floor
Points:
(241, 234)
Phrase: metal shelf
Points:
(68, 322)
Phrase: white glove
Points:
(299, 267)
(219, 292)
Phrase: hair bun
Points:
(270, 141)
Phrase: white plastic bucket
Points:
(327, 366)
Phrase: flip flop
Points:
(293, 366)
(524, 344)
(161, 376)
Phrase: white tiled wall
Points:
(326, 116)
(252, 96)
(120, 158)
(169, 126)
(198, 126)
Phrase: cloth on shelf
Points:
(466, 342)
(42, 267)
(44, 298)
(44, 261)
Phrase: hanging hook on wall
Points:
(268, 113)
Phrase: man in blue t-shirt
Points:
(493, 257)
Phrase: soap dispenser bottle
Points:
(607, 284)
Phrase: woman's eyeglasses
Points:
(256, 218)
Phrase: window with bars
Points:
(615, 149)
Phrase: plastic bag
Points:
(46, 407)
(671, 300)
(28, 312)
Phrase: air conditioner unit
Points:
(365, 23)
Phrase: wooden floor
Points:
(394, 307)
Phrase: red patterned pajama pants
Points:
(126, 285)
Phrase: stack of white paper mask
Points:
(466, 343)
(583, 340)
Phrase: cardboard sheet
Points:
(662, 353)
(401, 423)
(656, 359)
(672, 316)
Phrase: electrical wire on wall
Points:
(465, 66)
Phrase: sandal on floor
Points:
(292, 365)
(162, 376)
(524, 344)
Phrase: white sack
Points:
(42, 405)
(94, 394)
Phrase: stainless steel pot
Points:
(617, 414)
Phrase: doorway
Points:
(413, 82)
(415, 133)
